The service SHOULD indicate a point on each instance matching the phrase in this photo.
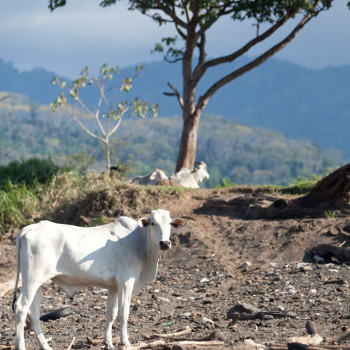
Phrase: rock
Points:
(306, 268)
(207, 320)
(245, 265)
(244, 309)
(254, 344)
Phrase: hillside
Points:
(299, 102)
(242, 154)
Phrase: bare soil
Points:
(202, 277)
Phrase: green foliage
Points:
(329, 214)
(29, 172)
(302, 186)
(226, 182)
(17, 204)
(20, 186)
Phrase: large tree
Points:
(192, 21)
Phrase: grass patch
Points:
(302, 186)
(17, 205)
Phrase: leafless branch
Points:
(77, 120)
(175, 93)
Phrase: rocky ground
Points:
(202, 277)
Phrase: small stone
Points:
(306, 268)
(245, 265)
(207, 320)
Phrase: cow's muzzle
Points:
(165, 245)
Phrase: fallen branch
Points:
(170, 335)
(161, 344)
(299, 346)
(99, 341)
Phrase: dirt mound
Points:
(333, 191)
(202, 277)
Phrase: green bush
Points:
(17, 205)
(30, 172)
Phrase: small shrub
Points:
(302, 186)
(30, 172)
(17, 205)
(329, 214)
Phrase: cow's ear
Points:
(144, 222)
(178, 223)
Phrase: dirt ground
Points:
(202, 277)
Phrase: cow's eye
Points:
(152, 223)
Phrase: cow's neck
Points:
(151, 256)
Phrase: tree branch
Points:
(175, 93)
(203, 100)
(201, 47)
(201, 69)
(77, 120)
(170, 13)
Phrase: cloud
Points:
(83, 33)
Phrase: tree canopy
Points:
(192, 21)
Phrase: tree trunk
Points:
(188, 143)
(331, 191)
(108, 156)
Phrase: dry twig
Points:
(71, 344)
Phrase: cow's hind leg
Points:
(111, 314)
(22, 307)
(34, 316)
(124, 298)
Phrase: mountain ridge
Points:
(297, 101)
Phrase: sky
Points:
(82, 33)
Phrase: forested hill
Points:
(240, 153)
(300, 102)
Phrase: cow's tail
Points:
(18, 251)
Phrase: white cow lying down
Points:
(191, 178)
(185, 177)
(121, 256)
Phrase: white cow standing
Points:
(121, 256)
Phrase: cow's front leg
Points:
(111, 314)
(124, 298)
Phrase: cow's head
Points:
(200, 172)
(160, 224)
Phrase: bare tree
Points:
(111, 108)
